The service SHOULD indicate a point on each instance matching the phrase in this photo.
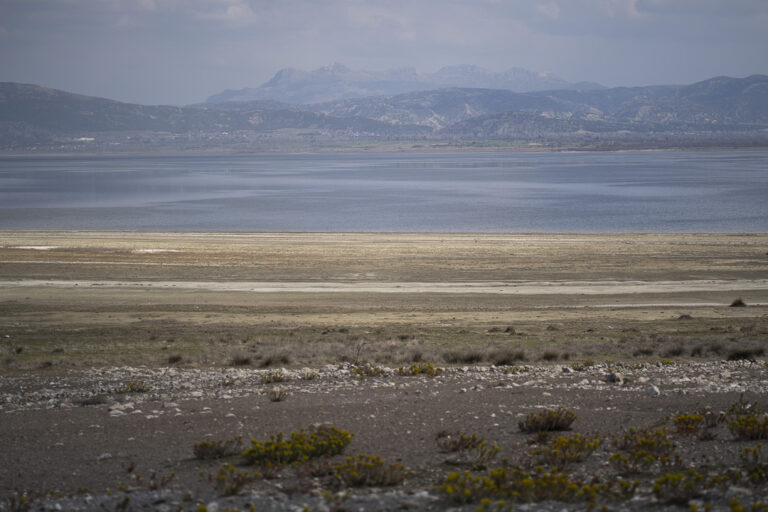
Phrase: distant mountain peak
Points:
(337, 82)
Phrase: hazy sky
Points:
(181, 51)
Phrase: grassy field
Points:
(82, 299)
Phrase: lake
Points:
(701, 191)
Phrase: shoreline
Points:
(384, 150)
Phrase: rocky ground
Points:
(123, 438)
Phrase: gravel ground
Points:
(90, 440)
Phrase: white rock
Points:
(652, 390)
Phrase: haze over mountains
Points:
(721, 110)
(337, 82)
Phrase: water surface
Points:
(724, 191)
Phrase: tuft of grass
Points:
(549, 356)
(738, 303)
(564, 451)
(175, 359)
(134, 386)
(240, 361)
(302, 446)
(749, 427)
(230, 481)
(454, 442)
(367, 370)
(427, 369)
(507, 357)
(688, 424)
(679, 488)
(206, 450)
(275, 359)
(547, 420)
(755, 463)
(639, 450)
(276, 376)
(369, 471)
(462, 357)
(745, 354)
(278, 395)
(580, 366)
(472, 449)
(309, 375)
(515, 484)
(674, 351)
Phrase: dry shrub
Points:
(548, 420)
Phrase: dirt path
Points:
(504, 288)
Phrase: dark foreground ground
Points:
(80, 441)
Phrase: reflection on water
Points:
(642, 191)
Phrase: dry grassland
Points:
(81, 299)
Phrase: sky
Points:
(179, 52)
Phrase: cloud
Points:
(186, 49)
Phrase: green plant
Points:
(472, 449)
(749, 426)
(369, 471)
(134, 386)
(548, 420)
(688, 424)
(755, 463)
(638, 450)
(564, 451)
(667, 362)
(679, 488)
(427, 369)
(309, 375)
(580, 366)
(455, 442)
(273, 377)
(317, 441)
(218, 449)
(523, 486)
(230, 481)
(367, 370)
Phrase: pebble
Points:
(169, 387)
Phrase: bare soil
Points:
(82, 313)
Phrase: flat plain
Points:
(84, 313)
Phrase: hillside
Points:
(33, 117)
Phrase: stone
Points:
(614, 378)
(652, 390)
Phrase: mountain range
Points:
(338, 82)
(721, 108)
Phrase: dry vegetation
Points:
(167, 309)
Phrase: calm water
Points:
(674, 191)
